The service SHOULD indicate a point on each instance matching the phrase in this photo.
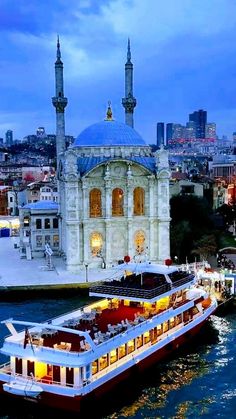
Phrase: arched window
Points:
(117, 202)
(139, 242)
(138, 201)
(96, 243)
(95, 203)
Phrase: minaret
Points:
(60, 102)
(129, 101)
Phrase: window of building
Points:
(47, 223)
(38, 223)
(26, 221)
(55, 222)
(187, 189)
(96, 243)
(95, 203)
(55, 240)
(117, 202)
(138, 197)
(39, 241)
(48, 240)
(11, 199)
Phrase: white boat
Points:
(25, 389)
(144, 313)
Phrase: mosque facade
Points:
(113, 191)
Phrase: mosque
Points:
(113, 191)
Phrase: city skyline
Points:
(183, 59)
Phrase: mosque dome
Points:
(109, 133)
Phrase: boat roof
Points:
(146, 267)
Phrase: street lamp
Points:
(86, 272)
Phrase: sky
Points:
(183, 52)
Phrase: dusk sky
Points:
(183, 51)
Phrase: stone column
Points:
(73, 252)
(107, 241)
(108, 193)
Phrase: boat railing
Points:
(5, 367)
(30, 380)
(138, 291)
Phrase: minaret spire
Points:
(129, 101)
(60, 102)
(58, 49)
(128, 51)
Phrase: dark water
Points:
(197, 382)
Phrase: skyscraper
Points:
(200, 119)
(9, 138)
(160, 133)
(169, 132)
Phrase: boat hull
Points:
(75, 404)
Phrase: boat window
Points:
(122, 351)
(56, 373)
(172, 322)
(165, 326)
(103, 362)
(96, 243)
(146, 337)
(131, 346)
(117, 202)
(139, 341)
(69, 376)
(95, 367)
(178, 319)
(113, 356)
(95, 203)
(30, 368)
(138, 199)
(18, 366)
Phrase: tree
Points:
(205, 247)
(190, 220)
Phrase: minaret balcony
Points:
(129, 103)
(59, 103)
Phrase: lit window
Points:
(117, 202)
(95, 243)
(138, 201)
(95, 204)
(55, 240)
(139, 241)
(26, 221)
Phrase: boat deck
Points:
(102, 324)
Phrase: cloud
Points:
(183, 54)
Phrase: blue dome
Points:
(108, 133)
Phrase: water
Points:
(199, 381)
